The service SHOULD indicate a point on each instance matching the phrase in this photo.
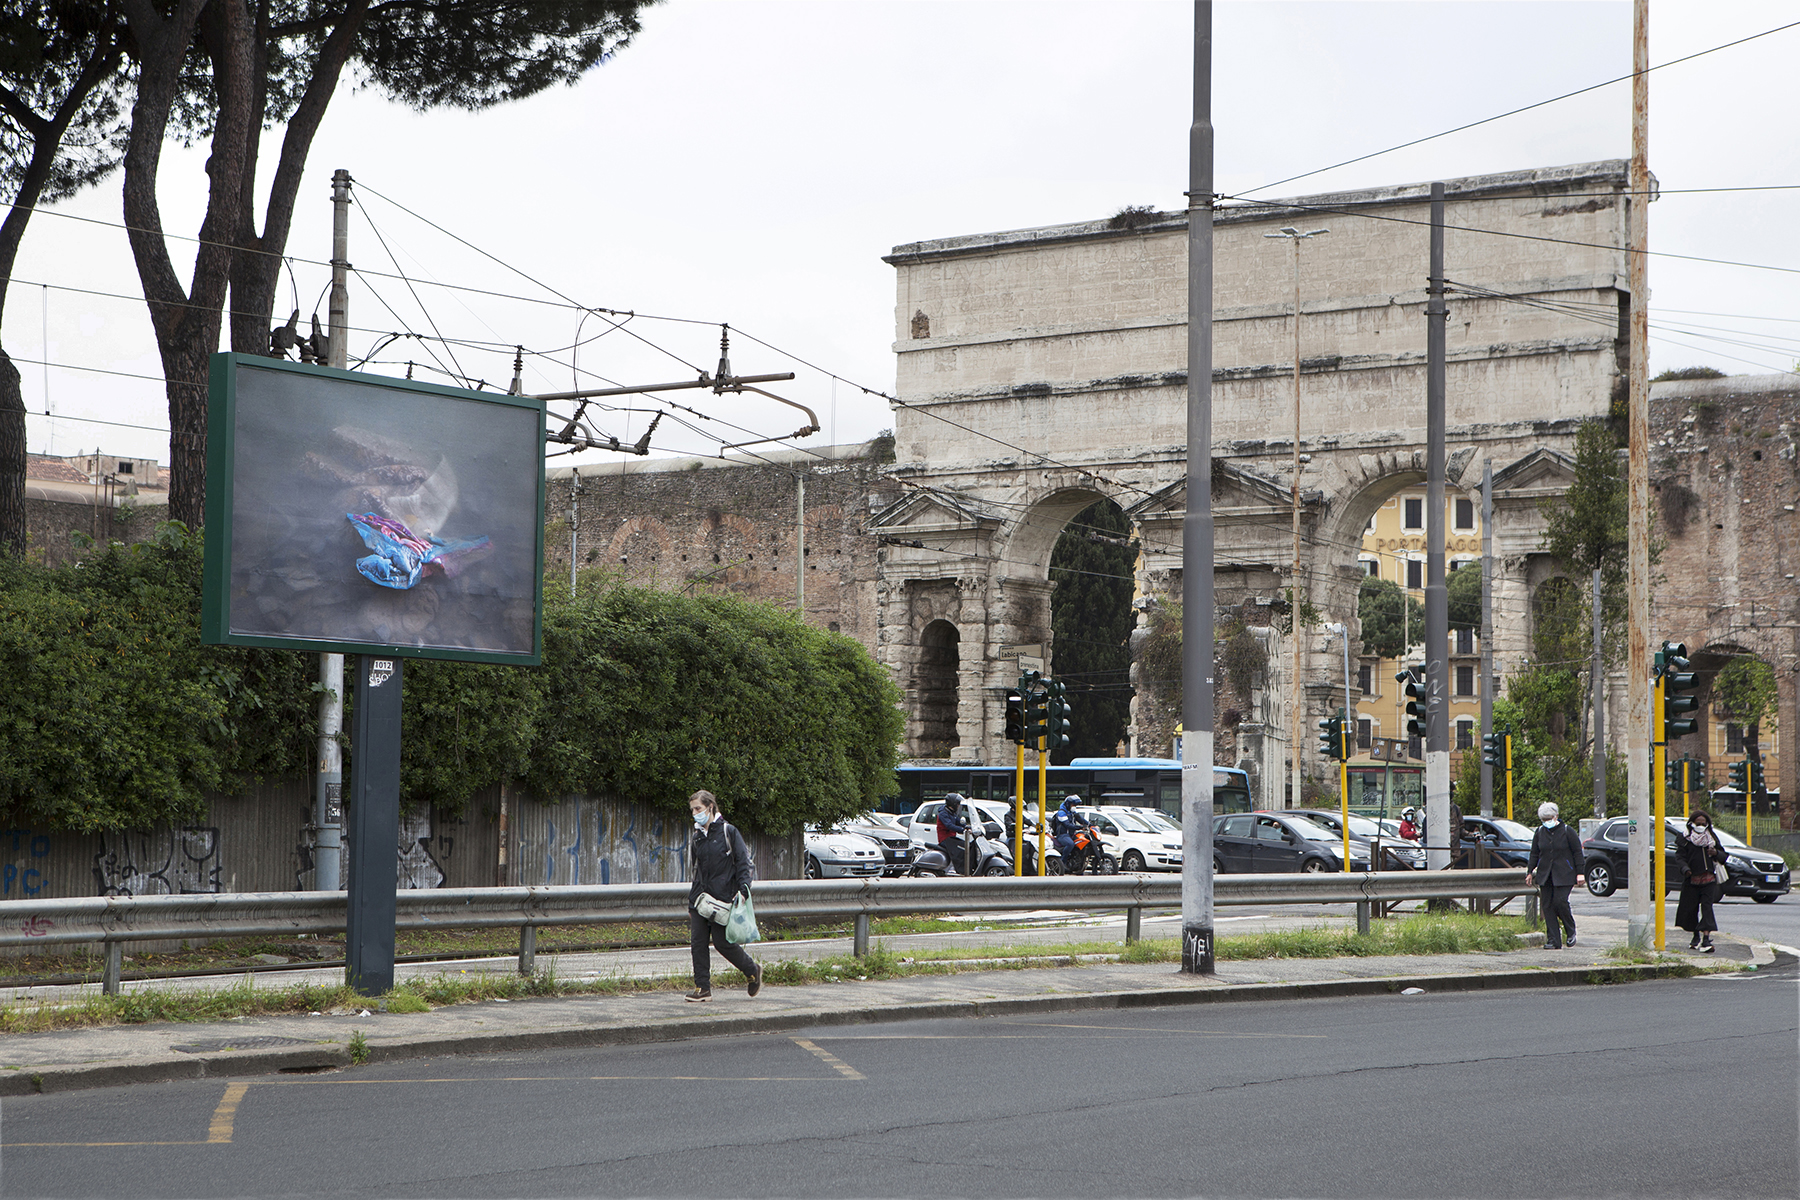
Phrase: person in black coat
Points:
(718, 865)
(1702, 881)
(1556, 866)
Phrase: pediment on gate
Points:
(929, 510)
(1236, 493)
(1543, 472)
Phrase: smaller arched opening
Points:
(934, 681)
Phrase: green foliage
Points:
(1311, 615)
(1562, 626)
(1091, 618)
(1586, 529)
(1391, 620)
(1159, 654)
(1463, 587)
(1542, 706)
(1241, 659)
(1689, 373)
(117, 717)
(1746, 689)
(648, 696)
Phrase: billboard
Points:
(357, 513)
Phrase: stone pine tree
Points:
(1391, 621)
(61, 128)
(1091, 617)
(224, 72)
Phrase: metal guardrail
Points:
(115, 920)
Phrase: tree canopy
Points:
(1391, 620)
(1463, 587)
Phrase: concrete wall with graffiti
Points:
(261, 841)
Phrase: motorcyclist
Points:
(1063, 823)
(1409, 824)
(951, 825)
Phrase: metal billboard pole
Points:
(1438, 850)
(1197, 531)
(328, 797)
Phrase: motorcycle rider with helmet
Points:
(1409, 825)
(1063, 824)
(951, 825)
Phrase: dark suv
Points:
(1755, 873)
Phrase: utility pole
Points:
(1298, 713)
(1437, 599)
(1197, 532)
(1599, 688)
(328, 793)
(1487, 631)
(574, 523)
(1637, 736)
(800, 542)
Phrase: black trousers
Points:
(734, 954)
(1554, 899)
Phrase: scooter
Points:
(989, 855)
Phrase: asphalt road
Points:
(1678, 1088)
(1740, 916)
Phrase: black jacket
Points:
(1558, 850)
(718, 862)
(1697, 860)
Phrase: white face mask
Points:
(702, 819)
(1550, 822)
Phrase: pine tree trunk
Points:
(12, 460)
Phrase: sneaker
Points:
(1548, 946)
(1706, 946)
(1571, 940)
(699, 996)
(756, 980)
(1695, 944)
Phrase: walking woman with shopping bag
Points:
(720, 870)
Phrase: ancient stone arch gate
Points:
(1041, 369)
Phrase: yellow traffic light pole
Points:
(1043, 782)
(1659, 783)
(1019, 815)
(1509, 774)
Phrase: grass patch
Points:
(1423, 933)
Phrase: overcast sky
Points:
(750, 162)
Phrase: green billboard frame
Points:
(235, 464)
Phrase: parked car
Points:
(1265, 843)
(1397, 853)
(1508, 841)
(1138, 842)
(834, 854)
(890, 834)
(1762, 876)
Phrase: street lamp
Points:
(1299, 704)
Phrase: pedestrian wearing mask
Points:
(719, 867)
(1702, 882)
(1555, 866)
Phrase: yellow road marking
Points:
(825, 1056)
(219, 1132)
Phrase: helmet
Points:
(953, 800)
(1071, 800)
(1409, 812)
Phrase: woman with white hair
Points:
(1556, 856)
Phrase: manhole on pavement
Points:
(245, 1043)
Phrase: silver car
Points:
(835, 854)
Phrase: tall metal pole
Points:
(328, 786)
(1197, 531)
(1297, 738)
(1437, 599)
(1637, 726)
(1599, 686)
(1487, 631)
(800, 543)
(574, 524)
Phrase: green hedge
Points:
(118, 718)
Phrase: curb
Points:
(305, 1059)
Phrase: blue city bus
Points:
(1135, 782)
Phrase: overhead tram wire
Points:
(1526, 108)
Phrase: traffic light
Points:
(1740, 776)
(1015, 718)
(1036, 716)
(1756, 776)
(1056, 715)
(1332, 743)
(1494, 747)
(1415, 703)
(1673, 664)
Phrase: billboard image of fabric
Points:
(360, 513)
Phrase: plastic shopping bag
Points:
(740, 925)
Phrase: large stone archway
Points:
(1050, 370)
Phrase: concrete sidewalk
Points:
(113, 1055)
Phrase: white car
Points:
(1137, 839)
(922, 828)
(835, 854)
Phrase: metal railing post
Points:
(1134, 923)
(115, 963)
(860, 948)
(1531, 908)
(1362, 916)
(527, 949)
